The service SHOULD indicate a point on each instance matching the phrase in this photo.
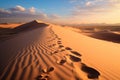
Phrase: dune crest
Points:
(30, 26)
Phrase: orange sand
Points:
(56, 53)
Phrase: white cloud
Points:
(88, 3)
(95, 11)
(21, 13)
(18, 8)
(3, 11)
(32, 10)
(92, 7)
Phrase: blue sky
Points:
(46, 5)
(61, 11)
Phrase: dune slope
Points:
(54, 53)
(101, 55)
(38, 54)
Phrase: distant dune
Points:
(42, 51)
(9, 25)
(13, 29)
(109, 36)
(29, 26)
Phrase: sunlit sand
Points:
(43, 51)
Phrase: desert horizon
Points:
(60, 40)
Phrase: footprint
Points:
(68, 48)
(50, 46)
(47, 70)
(56, 51)
(74, 58)
(53, 44)
(92, 73)
(59, 38)
(51, 53)
(50, 69)
(76, 53)
(42, 77)
(59, 43)
(62, 50)
(60, 46)
(39, 77)
(61, 62)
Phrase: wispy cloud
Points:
(88, 3)
(22, 13)
(17, 8)
(69, 10)
(95, 7)
(32, 10)
(54, 16)
(94, 11)
(3, 11)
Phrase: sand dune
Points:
(29, 26)
(7, 33)
(54, 53)
(101, 55)
(9, 25)
(108, 36)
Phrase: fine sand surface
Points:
(101, 55)
(55, 53)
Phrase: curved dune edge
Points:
(101, 55)
(51, 53)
